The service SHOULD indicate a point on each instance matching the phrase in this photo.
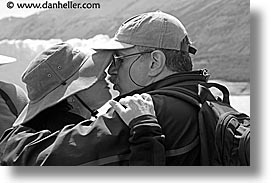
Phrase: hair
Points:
(177, 61)
(54, 118)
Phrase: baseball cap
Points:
(153, 29)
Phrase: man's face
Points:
(130, 72)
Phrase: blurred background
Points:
(220, 29)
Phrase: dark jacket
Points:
(108, 141)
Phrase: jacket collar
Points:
(178, 79)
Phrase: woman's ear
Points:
(157, 63)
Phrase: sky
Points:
(16, 12)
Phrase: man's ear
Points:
(157, 63)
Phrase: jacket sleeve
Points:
(21, 145)
(100, 142)
(146, 142)
(104, 141)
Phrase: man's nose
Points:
(112, 69)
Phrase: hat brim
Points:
(6, 60)
(85, 78)
(111, 44)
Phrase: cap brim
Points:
(112, 44)
(6, 60)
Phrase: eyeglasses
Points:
(118, 60)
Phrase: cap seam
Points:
(135, 30)
(164, 28)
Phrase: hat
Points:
(58, 73)
(6, 60)
(153, 29)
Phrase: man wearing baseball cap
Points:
(152, 56)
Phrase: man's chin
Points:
(119, 90)
(115, 91)
(116, 87)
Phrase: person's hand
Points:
(134, 106)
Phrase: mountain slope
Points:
(219, 28)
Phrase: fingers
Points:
(146, 97)
(125, 101)
(117, 106)
(134, 106)
(149, 100)
(137, 97)
(132, 101)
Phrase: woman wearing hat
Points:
(59, 83)
(65, 87)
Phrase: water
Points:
(241, 103)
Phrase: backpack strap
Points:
(185, 95)
(222, 88)
(9, 102)
(194, 98)
(183, 150)
(188, 95)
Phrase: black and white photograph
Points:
(127, 83)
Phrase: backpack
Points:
(224, 132)
(9, 102)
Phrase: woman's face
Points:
(97, 95)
